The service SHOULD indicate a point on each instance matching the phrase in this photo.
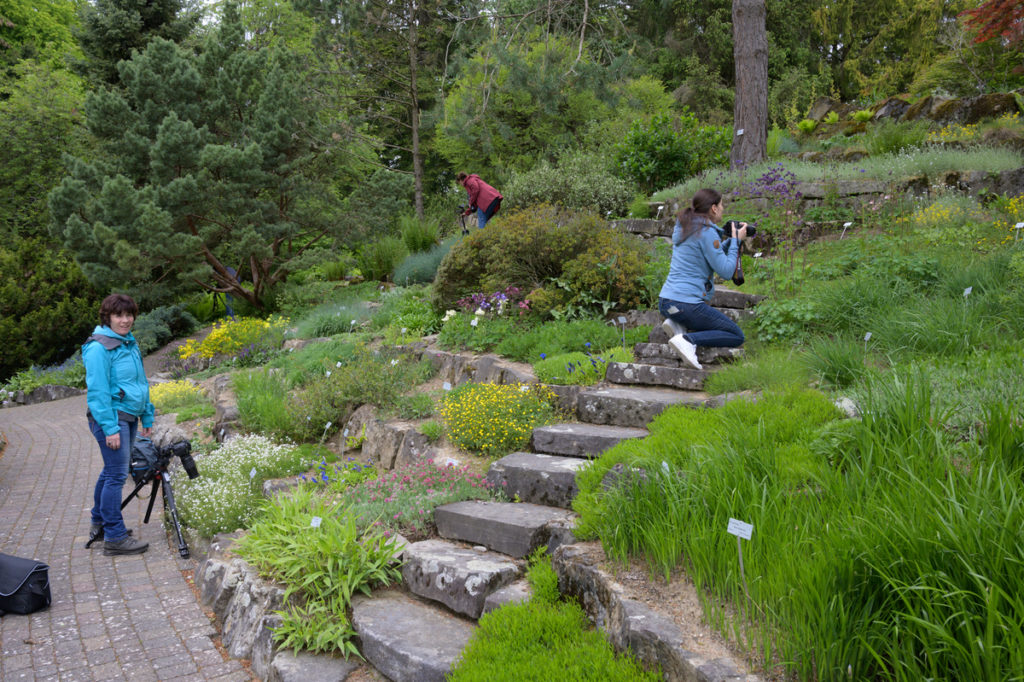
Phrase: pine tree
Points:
(202, 170)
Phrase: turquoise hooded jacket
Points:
(115, 380)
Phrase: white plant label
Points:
(315, 522)
(740, 131)
(252, 474)
(967, 291)
(328, 425)
(474, 322)
(1020, 226)
(757, 255)
(867, 337)
(622, 320)
(394, 362)
(404, 330)
(740, 529)
(446, 386)
(847, 224)
(338, 364)
(345, 433)
(328, 372)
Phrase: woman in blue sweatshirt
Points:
(118, 400)
(699, 250)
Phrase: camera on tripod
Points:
(147, 459)
(732, 225)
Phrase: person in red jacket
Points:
(483, 198)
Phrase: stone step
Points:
(581, 440)
(686, 379)
(459, 577)
(632, 406)
(407, 640)
(664, 355)
(511, 528)
(516, 593)
(539, 479)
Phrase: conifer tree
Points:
(202, 170)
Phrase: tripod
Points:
(161, 479)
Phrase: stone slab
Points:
(581, 440)
(306, 667)
(507, 527)
(664, 355)
(458, 577)
(516, 593)
(407, 640)
(656, 375)
(536, 478)
(632, 406)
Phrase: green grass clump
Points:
(563, 336)
(579, 368)
(406, 308)
(543, 639)
(228, 493)
(322, 564)
(332, 319)
(418, 235)
(494, 420)
(772, 368)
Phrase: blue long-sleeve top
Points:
(115, 380)
(696, 260)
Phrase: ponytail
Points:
(702, 202)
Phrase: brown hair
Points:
(702, 202)
(117, 304)
(461, 176)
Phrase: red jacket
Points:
(480, 193)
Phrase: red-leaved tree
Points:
(1002, 18)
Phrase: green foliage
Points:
(831, 118)
(433, 430)
(201, 165)
(160, 326)
(494, 420)
(262, 401)
(578, 181)
(889, 137)
(227, 495)
(779, 142)
(564, 336)
(377, 260)
(418, 235)
(404, 499)
(406, 308)
(837, 362)
(322, 566)
(421, 268)
(459, 333)
(771, 369)
(415, 406)
(862, 115)
(541, 576)
(71, 372)
(663, 150)
(598, 266)
(579, 368)
(47, 309)
(807, 126)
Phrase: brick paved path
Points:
(112, 618)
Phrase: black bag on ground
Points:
(24, 585)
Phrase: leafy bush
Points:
(421, 268)
(171, 395)
(71, 373)
(433, 430)
(160, 326)
(663, 150)
(806, 126)
(494, 420)
(596, 265)
(227, 495)
(862, 115)
(577, 182)
(577, 368)
(406, 308)
(262, 401)
(324, 566)
(377, 260)
(416, 406)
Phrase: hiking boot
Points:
(672, 328)
(96, 534)
(686, 350)
(126, 545)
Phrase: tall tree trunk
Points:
(750, 52)
(414, 113)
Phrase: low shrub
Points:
(578, 182)
(433, 430)
(229, 491)
(160, 326)
(71, 373)
(242, 339)
(493, 420)
(406, 308)
(415, 406)
(889, 137)
(476, 332)
(421, 268)
(262, 398)
(322, 564)
(404, 499)
(377, 260)
(184, 398)
(577, 368)
(331, 319)
(418, 235)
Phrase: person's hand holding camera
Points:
(739, 230)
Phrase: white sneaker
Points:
(686, 350)
(672, 328)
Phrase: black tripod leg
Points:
(173, 510)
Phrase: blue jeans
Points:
(106, 510)
(705, 325)
(483, 216)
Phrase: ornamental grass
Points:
(493, 420)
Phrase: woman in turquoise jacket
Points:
(699, 251)
(118, 400)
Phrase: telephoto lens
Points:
(182, 450)
(731, 225)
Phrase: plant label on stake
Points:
(315, 522)
(446, 386)
(742, 531)
(474, 322)
(622, 323)
(867, 337)
(252, 473)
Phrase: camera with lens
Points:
(147, 459)
(731, 225)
